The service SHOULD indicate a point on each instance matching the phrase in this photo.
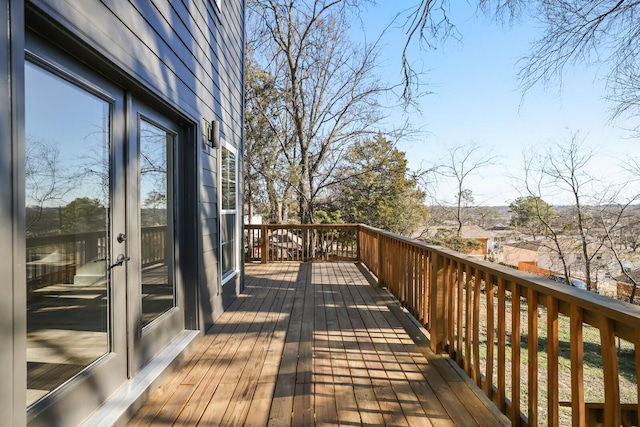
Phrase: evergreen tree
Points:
(530, 214)
(375, 188)
(83, 215)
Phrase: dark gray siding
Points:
(186, 52)
(190, 55)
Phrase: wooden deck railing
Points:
(543, 352)
(271, 242)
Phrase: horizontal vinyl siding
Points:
(184, 52)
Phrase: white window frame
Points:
(225, 278)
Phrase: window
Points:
(228, 220)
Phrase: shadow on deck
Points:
(313, 344)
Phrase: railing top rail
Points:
(300, 226)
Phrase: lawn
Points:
(592, 367)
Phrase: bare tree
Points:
(536, 187)
(46, 180)
(429, 23)
(591, 218)
(629, 234)
(485, 217)
(270, 154)
(610, 227)
(462, 163)
(604, 33)
(327, 82)
(567, 169)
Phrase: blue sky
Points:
(70, 125)
(477, 100)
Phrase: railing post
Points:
(437, 302)
(380, 273)
(358, 253)
(264, 244)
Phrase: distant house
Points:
(540, 257)
(486, 238)
(529, 256)
(624, 286)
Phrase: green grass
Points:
(592, 367)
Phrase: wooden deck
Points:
(315, 344)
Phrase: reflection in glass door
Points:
(155, 197)
(67, 169)
(154, 294)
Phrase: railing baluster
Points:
(577, 367)
(502, 343)
(427, 286)
(397, 272)
(552, 361)
(411, 279)
(467, 323)
(265, 245)
(532, 349)
(476, 327)
(610, 365)
(381, 278)
(515, 354)
(400, 270)
(636, 351)
(455, 280)
(488, 385)
(461, 278)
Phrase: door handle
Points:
(120, 260)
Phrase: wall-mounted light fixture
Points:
(212, 134)
(215, 134)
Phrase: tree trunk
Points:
(305, 196)
(249, 206)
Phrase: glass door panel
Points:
(154, 293)
(156, 221)
(67, 166)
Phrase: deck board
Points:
(315, 344)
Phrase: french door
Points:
(100, 212)
(155, 299)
